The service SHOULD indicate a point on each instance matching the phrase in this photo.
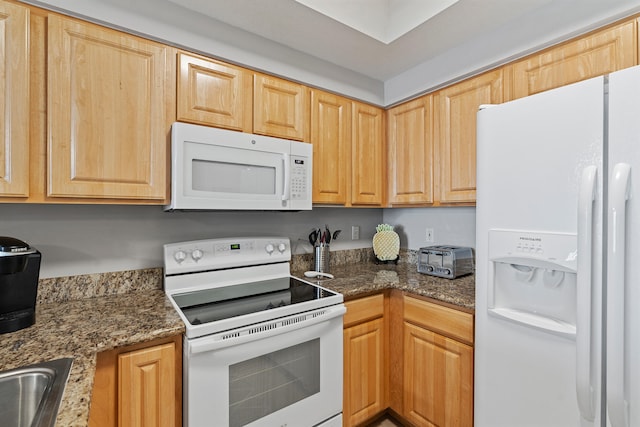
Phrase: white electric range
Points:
(262, 348)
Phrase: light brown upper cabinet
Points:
(14, 101)
(331, 139)
(280, 108)
(214, 93)
(595, 54)
(368, 158)
(110, 106)
(455, 111)
(410, 151)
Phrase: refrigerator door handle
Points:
(619, 191)
(584, 384)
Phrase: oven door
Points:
(285, 372)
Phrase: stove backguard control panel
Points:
(214, 254)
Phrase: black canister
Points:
(19, 274)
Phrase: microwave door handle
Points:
(286, 188)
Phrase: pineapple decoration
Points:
(386, 244)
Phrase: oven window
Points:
(235, 178)
(268, 383)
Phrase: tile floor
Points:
(385, 422)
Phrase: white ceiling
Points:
(384, 20)
(302, 28)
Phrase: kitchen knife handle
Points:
(584, 383)
(619, 191)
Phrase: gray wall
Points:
(81, 239)
(451, 226)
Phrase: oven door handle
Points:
(263, 330)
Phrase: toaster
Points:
(446, 261)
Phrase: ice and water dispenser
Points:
(532, 279)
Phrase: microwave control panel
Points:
(299, 188)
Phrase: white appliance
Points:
(221, 169)
(262, 348)
(558, 248)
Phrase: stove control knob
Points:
(196, 254)
(282, 247)
(180, 256)
(269, 248)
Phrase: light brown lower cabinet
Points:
(425, 360)
(365, 360)
(438, 379)
(139, 386)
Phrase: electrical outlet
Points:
(429, 235)
(355, 232)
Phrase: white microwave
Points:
(218, 169)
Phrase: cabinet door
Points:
(214, 93)
(593, 55)
(438, 379)
(364, 372)
(331, 139)
(410, 149)
(138, 385)
(14, 101)
(146, 387)
(456, 111)
(107, 113)
(367, 155)
(280, 108)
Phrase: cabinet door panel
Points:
(457, 108)
(438, 379)
(411, 152)
(594, 55)
(14, 101)
(213, 93)
(364, 372)
(280, 108)
(107, 116)
(331, 139)
(146, 387)
(367, 155)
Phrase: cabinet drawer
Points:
(363, 309)
(446, 321)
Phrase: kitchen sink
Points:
(30, 396)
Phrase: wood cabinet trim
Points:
(104, 406)
(597, 53)
(363, 309)
(331, 121)
(449, 322)
(365, 371)
(456, 109)
(281, 108)
(225, 98)
(431, 361)
(81, 163)
(14, 101)
(368, 157)
(410, 175)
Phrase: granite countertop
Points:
(353, 280)
(82, 328)
(119, 309)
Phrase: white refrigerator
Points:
(557, 339)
